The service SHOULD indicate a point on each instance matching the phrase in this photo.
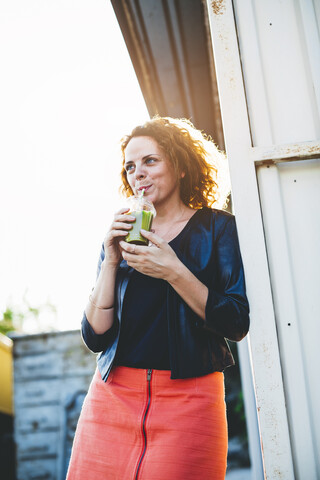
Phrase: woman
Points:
(160, 315)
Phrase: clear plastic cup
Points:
(144, 212)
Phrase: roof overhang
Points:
(170, 47)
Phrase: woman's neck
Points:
(169, 213)
(168, 228)
(171, 219)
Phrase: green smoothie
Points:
(143, 220)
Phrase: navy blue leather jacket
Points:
(210, 249)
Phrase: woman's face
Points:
(148, 168)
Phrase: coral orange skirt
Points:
(141, 425)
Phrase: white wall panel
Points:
(277, 45)
(280, 54)
(290, 200)
(274, 434)
(300, 187)
(280, 43)
(316, 6)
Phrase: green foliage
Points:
(239, 408)
(6, 323)
(15, 318)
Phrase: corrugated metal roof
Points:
(170, 48)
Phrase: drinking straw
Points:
(140, 201)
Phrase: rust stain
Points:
(232, 82)
(313, 149)
(297, 151)
(218, 7)
(301, 148)
(277, 473)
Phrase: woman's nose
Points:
(140, 172)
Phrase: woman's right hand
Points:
(122, 223)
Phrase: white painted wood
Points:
(300, 189)
(252, 68)
(279, 48)
(58, 341)
(289, 328)
(34, 393)
(43, 365)
(288, 83)
(306, 16)
(289, 59)
(37, 445)
(316, 6)
(38, 419)
(264, 351)
(279, 153)
(39, 469)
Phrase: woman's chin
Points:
(150, 196)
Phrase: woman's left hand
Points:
(158, 260)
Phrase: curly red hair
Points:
(188, 150)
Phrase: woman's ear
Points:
(182, 174)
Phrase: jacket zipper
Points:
(144, 418)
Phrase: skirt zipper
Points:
(144, 433)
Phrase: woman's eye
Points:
(129, 167)
(150, 160)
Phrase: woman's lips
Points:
(145, 188)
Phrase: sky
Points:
(68, 93)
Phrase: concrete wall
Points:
(52, 373)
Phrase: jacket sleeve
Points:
(227, 308)
(94, 341)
